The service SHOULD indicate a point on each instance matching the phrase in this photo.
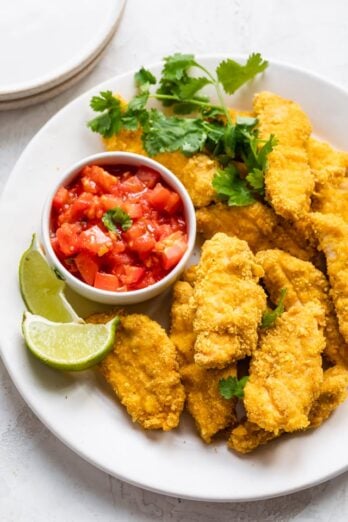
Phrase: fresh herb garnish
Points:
(117, 218)
(270, 317)
(232, 387)
(209, 128)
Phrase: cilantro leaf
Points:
(232, 387)
(229, 186)
(143, 79)
(175, 66)
(192, 86)
(270, 317)
(169, 133)
(233, 75)
(255, 178)
(117, 218)
(109, 122)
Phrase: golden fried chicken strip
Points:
(288, 179)
(332, 233)
(304, 284)
(286, 372)
(209, 409)
(248, 436)
(257, 224)
(143, 372)
(229, 302)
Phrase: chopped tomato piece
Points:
(102, 178)
(173, 203)
(95, 241)
(148, 176)
(89, 185)
(106, 281)
(134, 210)
(172, 248)
(109, 201)
(87, 266)
(132, 274)
(158, 197)
(61, 198)
(132, 184)
(68, 236)
(143, 244)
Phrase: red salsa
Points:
(118, 228)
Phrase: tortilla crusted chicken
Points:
(201, 385)
(257, 224)
(288, 179)
(332, 233)
(304, 284)
(248, 436)
(143, 372)
(229, 302)
(286, 373)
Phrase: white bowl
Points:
(133, 296)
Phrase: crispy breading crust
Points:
(286, 371)
(143, 372)
(304, 284)
(332, 233)
(257, 224)
(209, 409)
(229, 302)
(289, 181)
(248, 436)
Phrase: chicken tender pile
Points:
(289, 248)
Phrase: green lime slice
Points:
(68, 346)
(41, 289)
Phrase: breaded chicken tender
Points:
(257, 224)
(209, 409)
(229, 302)
(332, 233)
(304, 284)
(143, 372)
(248, 436)
(288, 179)
(286, 371)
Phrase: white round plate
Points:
(79, 408)
(44, 43)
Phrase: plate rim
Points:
(300, 486)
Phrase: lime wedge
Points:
(41, 289)
(68, 346)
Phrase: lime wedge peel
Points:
(41, 289)
(68, 346)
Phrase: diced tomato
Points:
(158, 197)
(109, 201)
(148, 176)
(101, 177)
(89, 185)
(132, 184)
(87, 266)
(173, 203)
(143, 244)
(172, 248)
(61, 198)
(68, 236)
(95, 241)
(132, 274)
(106, 282)
(134, 210)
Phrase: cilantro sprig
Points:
(206, 126)
(116, 219)
(269, 318)
(232, 387)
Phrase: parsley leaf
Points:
(169, 133)
(232, 75)
(229, 186)
(232, 387)
(270, 317)
(117, 216)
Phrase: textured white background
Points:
(40, 479)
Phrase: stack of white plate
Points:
(48, 46)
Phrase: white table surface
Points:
(40, 479)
